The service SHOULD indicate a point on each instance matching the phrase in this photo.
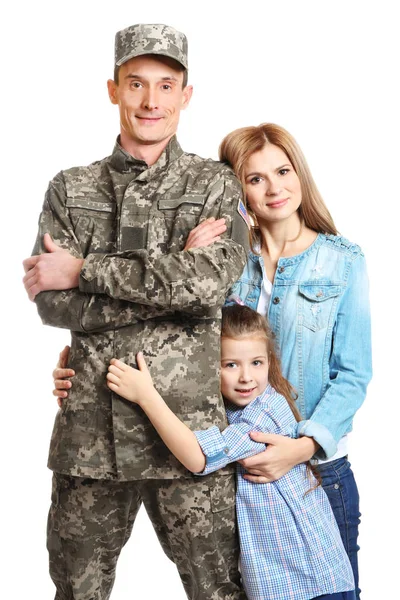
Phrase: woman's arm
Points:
(60, 376)
(350, 372)
(350, 367)
(280, 456)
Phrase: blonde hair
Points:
(237, 147)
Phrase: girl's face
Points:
(272, 186)
(244, 368)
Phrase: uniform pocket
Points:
(223, 496)
(191, 203)
(318, 302)
(175, 218)
(84, 508)
(93, 223)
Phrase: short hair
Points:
(237, 147)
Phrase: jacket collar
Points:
(124, 162)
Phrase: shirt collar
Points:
(124, 162)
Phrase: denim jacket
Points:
(319, 312)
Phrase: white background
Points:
(325, 70)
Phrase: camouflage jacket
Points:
(139, 291)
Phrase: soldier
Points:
(112, 264)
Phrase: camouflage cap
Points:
(140, 39)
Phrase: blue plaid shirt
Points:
(290, 545)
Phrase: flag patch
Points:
(243, 213)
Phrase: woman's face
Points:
(272, 186)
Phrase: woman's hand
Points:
(281, 455)
(205, 234)
(61, 384)
(134, 385)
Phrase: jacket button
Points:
(276, 300)
(281, 269)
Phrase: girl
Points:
(290, 543)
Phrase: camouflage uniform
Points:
(139, 291)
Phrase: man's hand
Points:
(281, 455)
(59, 375)
(55, 270)
(205, 234)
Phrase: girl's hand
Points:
(205, 234)
(60, 373)
(132, 384)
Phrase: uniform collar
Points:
(124, 162)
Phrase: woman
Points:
(312, 285)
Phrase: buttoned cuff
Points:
(321, 435)
(88, 277)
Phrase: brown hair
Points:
(239, 321)
(237, 147)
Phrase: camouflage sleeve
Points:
(194, 281)
(73, 309)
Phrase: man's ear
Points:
(187, 94)
(112, 91)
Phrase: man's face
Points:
(150, 98)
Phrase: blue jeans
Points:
(340, 486)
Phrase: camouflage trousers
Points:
(90, 521)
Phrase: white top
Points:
(342, 450)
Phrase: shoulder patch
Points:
(243, 213)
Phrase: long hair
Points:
(239, 321)
(237, 147)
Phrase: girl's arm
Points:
(202, 452)
(137, 386)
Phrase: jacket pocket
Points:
(318, 302)
(93, 223)
(90, 206)
(176, 217)
(185, 206)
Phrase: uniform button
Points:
(281, 269)
(226, 450)
(336, 486)
(276, 300)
